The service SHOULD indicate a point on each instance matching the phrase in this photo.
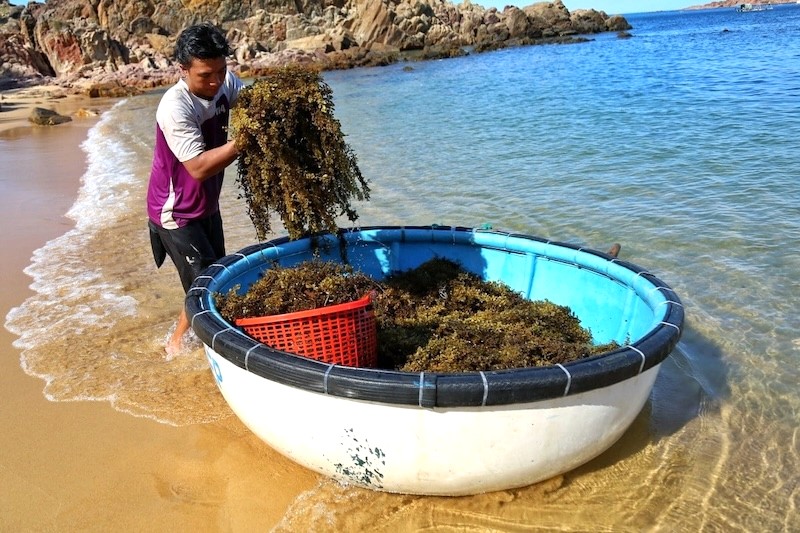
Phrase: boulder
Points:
(617, 23)
(588, 21)
(517, 22)
(19, 61)
(440, 35)
(549, 19)
(372, 22)
(47, 117)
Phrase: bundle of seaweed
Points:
(434, 318)
(293, 158)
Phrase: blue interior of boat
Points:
(612, 301)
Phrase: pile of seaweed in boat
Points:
(293, 158)
(308, 285)
(434, 318)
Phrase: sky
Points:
(612, 7)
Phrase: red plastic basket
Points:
(342, 334)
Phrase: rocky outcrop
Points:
(114, 47)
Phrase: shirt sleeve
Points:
(233, 85)
(177, 120)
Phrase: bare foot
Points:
(174, 347)
(615, 248)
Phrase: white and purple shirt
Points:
(186, 126)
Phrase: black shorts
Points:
(192, 248)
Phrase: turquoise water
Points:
(681, 143)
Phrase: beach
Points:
(679, 143)
(83, 466)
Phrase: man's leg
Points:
(175, 343)
(191, 248)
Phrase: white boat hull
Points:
(455, 451)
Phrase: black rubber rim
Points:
(470, 389)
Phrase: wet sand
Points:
(81, 466)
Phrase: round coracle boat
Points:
(446, 433)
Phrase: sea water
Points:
(681, 143)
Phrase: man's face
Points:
(205, 76)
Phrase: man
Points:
(189, 159)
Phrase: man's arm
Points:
(211, 162)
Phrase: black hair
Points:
(200, 41)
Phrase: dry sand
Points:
(83, 466)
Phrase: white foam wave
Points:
(109, 173)
(71, 295)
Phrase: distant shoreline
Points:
(733, 3)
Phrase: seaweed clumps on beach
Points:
(294, 160)
(434, 318)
